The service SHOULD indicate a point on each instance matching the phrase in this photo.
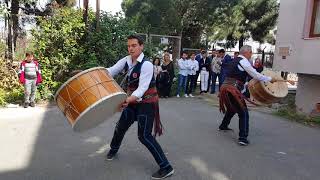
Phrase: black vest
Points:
(133, 78)
(234, 72)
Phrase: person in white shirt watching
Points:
(192, 75)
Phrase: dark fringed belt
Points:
(151, 97)
(231, 88)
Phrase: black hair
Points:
(222, 51)
(184, 52)
(154, 61)
(137, 37)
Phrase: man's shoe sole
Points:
(109, 159)
(225, 130)
(169, 174)
(243, 144)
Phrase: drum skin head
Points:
(277, 89)
(265, 93)
(99, 112)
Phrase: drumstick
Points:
(289, 81)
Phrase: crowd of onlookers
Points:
(208, 68)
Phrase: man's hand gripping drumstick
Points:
(273, 80)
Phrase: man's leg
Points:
(213, 85)
(27, 92)
(33, 92)
(179, 84)
(206, 79)
(209, 80)
(189, 85)
(226, 121)
(192, 84)
(145, 117)
(202, 83)
(185, 79)
(126, 120)
(243, 126)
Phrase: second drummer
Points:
(232, 101)
(141, 105)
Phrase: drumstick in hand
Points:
(289, 81)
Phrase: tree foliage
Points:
(246, 18)
(63, 43)
(186, 18)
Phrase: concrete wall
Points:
(293, 31)
(308, 93)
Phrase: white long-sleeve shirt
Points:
(183, 67)
(194, 67)
(145, 75)
(245, 63)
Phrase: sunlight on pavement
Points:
(201, 167)
(18, 138)
(101, 150)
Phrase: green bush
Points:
(2, 98)
(14, 96)
(63, 43)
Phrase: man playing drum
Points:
(141, 105)
(231, 99)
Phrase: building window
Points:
(315, 23)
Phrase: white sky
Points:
(112, 6)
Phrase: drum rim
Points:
(74, 77)
(95, 104)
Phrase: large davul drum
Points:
(89, 98)
(265, 93)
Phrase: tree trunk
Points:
(241, 41)
(9, 40)
(98, 15)
(85, 11)
(15, 21)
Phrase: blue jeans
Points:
(182, 83)
(243, 119)
(144, 114)
(214, 77)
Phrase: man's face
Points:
(248, 54)
(193, 56)
(214, 53)
(184, 56)
(221, 54)
(134, 48)
(204, 55)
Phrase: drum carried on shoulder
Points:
(266, 93)
(89, 98)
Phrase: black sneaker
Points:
(110, 155)
(243, 142)
(225, 129)
(32, 104)
(26, 105)
(163, 173)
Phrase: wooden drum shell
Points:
(265, 93)
(89, 98)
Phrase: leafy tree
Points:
(57, 43)
(246, 19)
